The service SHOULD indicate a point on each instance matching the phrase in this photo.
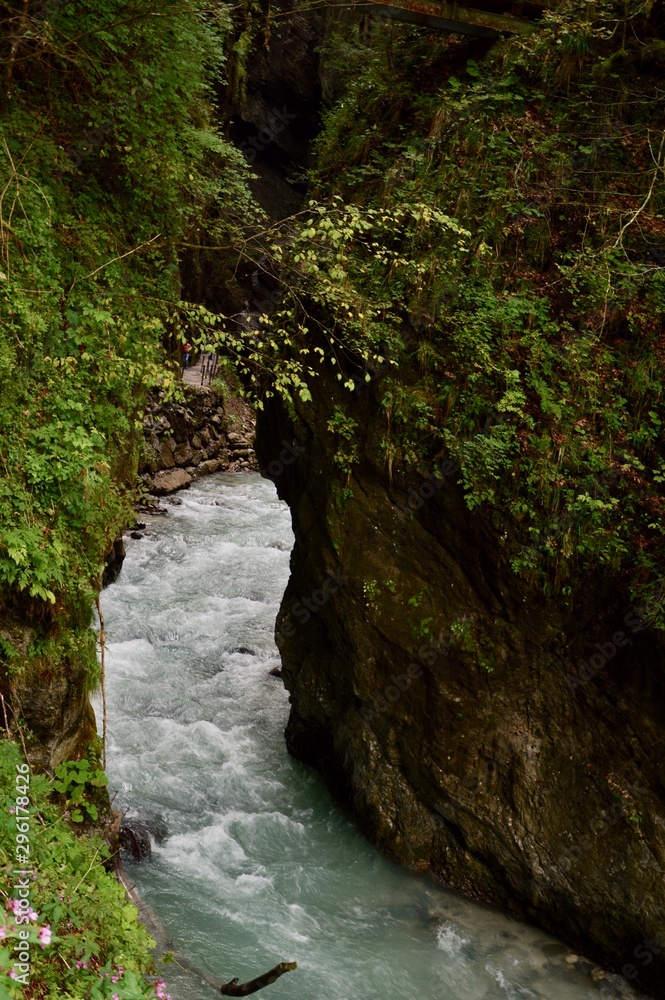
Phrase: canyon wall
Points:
(512, 747)
(509, 743)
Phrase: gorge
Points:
(442, 290)
(253, 862)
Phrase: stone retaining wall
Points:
(209, 433)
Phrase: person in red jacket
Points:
(186, 350)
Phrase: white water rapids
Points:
(257, 864)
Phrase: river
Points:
(257, 864)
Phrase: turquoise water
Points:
(257, 865)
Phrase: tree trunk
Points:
(232, 989)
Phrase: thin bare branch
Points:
(235, 989)
(120, 257)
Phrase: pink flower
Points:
(115, 997)
(33, 915)
(3, 932)
(12, 974)
(44, 937)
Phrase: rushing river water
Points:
(257, 864)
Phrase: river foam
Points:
(257, 864)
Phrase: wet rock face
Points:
(51, 703)
(58, 713)
(283, 87)
(513, 747)
(280, 112)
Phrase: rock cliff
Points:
(510, 743)
(513, 748)
(49, 695)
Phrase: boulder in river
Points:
(136, 836)
(169, 481)
(113, 562)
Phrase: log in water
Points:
(256, 864)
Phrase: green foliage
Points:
(485, 243)
(423, 629)
(468, 637)
(62, 650)
(79, 782)
(109, 160)
(417, 599)
(98, 947)
(373, 590)
(349, 263)
(344, 428)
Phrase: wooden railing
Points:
(486, 18)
